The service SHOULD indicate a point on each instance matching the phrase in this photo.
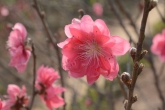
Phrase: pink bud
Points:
(98, 9)
(4, 11)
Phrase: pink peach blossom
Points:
(20, 55)
(46, 76)
(44, 84)
(158, 45)
(51, 99)
(17, 98)
(98, 9)
(90, 49)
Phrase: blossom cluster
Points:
(20, 52)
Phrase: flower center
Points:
(88, 51)
(93, 49)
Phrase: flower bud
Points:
(81, 13)
(125, 103)
(144, 52)
(152, 4)
(126, 78)
(135, 98)
(141, 66)
(132, 51)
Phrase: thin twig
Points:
(126, 13)
(163, 19)
(122, 87)
(156, 78)
(161, 70)
(34, 77)
(50, 36)
(117, 14)
(135, 74)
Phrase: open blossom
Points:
(158, 45)
(44, 84)
(90, 49)
(98, 9)
(20, 54)
(16, 99)
(46, 76)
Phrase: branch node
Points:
(134, 98)
(42, 14)
(136, 65)
(144, 52)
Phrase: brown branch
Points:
(117, 14)
(126, 13)
(147, 9)
(50, 37)
(34, 77)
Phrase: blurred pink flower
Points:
(4, 11)
(88, 102)
(44, 84)
(98, 9)
(20, 54)
(46, 76)
(17, 98)
(158, 45)
(90, 49)
(1, 104)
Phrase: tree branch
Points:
(136, 72)
(125, 12)
(117, 14)
(50, 37)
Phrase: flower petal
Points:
(121, 46)
(114, 69)
(86, 18)
(62, 44)
(87, 24)
(74, 68)
(20, 58)
(92, 72)
(102, 27)
(13, 90)
(101, 39)
(21, 28)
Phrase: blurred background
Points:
(104, 94)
